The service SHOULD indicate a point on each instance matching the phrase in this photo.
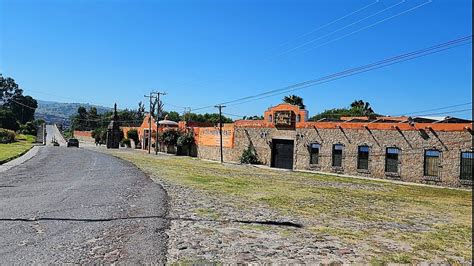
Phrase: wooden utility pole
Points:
(220, 129)
(158, 112)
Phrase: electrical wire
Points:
(330, 23)
(342, 28)
(370, 26)
(385, 62)
(344, 74)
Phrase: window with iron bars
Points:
(314, 153)
(391, 160)
(337, 155)
(431, 165)
(363, 158)
(467, 165)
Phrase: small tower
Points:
(113, 131)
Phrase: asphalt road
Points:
(52, 132)
(69, 205)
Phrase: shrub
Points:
(170, 137)
(28, 129)
(6, 136)
(99, 134)
(249, 156)
(185, 140)
(133, 134)
(125, 142)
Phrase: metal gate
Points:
(282, 153)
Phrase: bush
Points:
(170, 137)
(7, 136)
(28, 129)
(249, 156)
(99, 134)
(185, 140)
(125, 142)
(133, 134)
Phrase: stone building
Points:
(414, 149)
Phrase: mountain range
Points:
(60, 113)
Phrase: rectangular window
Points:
(391, 160)
(363, 158)
(314, 153)
(337, 155)
(466, 165)
(431, 167)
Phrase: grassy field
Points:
(390, 222)
(12, 150)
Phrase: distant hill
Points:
(55, 112)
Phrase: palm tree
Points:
(295, 100)
(362, 107)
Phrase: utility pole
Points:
(149, 121)
(158, 113)
(220, 129)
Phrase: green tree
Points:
(172, 115)
(23, 107)
(8, 119)
(211, 118)
(141, 111)
(294, 100)
(8, 90)
(12, 99)
(357, 108)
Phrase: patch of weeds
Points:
(446, 239)
(195, 262)
(402, 258)
(207, 213)
(347, 235)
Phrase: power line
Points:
(342, 28)
(357, 70)
(27, 106)
(436, 109)
(330, 23)
(370, 26)
(450, 112)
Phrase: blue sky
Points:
(205, 52)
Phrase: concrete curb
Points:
(20, 159)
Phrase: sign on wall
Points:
(283, 118)
(209, 136)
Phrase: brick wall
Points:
(412, 144)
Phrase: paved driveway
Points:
(78, 206)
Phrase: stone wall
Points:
(412, 144)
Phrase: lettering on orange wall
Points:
(209, 136)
